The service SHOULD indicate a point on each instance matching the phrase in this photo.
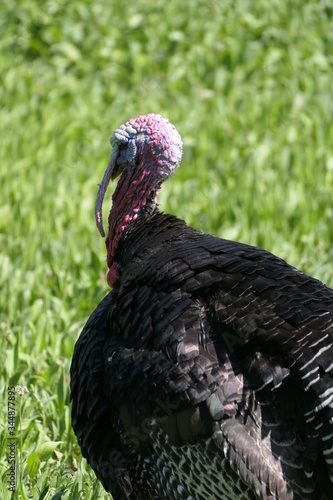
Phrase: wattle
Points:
(113, 276)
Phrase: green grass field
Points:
(248, 85)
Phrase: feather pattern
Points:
(207, 372)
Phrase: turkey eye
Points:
(122, 155)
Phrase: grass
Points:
(248, 85)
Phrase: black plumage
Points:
(207, 371)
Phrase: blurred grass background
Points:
(248, 85)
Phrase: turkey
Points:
(207, 371)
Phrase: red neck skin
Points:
(127, 200)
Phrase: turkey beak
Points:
(109, 174)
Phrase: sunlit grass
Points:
(248, 85)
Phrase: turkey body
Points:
(207, 373)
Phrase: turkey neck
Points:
(135, 195)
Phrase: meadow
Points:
(248, 84)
